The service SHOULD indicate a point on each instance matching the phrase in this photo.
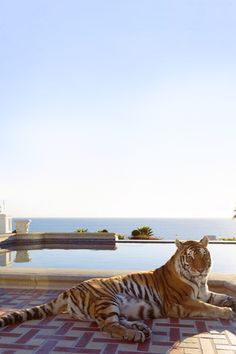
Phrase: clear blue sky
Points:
(118, 108)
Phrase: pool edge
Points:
(39, 278)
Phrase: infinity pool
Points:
(129, 256)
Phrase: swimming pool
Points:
(131, 256)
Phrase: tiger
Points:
(117, 304)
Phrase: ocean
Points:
(166, 228)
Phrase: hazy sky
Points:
(118, 107)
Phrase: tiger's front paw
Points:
(143, 328)
(227, 313)
(134, 336)
(230, 302)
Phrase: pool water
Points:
(123, 257)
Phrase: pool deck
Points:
(61, 334)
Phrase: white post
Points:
(5, 224)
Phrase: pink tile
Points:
(27, 336)
(110, 349)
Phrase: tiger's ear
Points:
(204, 241)
(179, 244)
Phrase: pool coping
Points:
(41, 278)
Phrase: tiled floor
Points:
(61, 334)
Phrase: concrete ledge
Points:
(219, 281)
(55, 237)
(80, 236)
(39, 278)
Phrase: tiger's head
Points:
(193, 258)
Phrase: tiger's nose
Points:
(201, 271)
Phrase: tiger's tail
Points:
(53, 307)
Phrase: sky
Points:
(122, 108)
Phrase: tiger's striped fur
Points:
(177, 289)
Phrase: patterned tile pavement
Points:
(60, 334)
